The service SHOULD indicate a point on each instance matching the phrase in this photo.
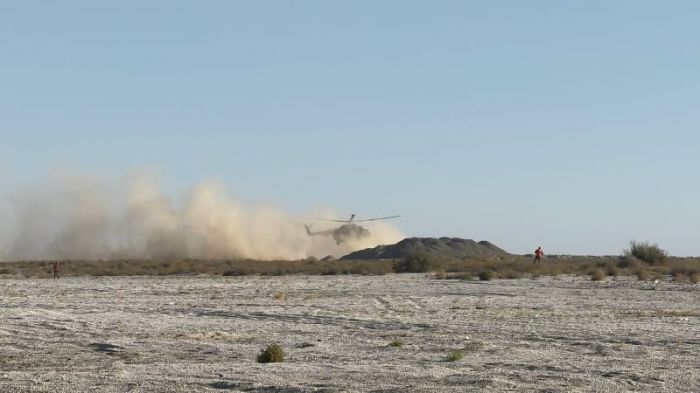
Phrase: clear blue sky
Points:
(572, 125)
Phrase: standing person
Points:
(538, 255)
(55, 270)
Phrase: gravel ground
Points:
(203, 333)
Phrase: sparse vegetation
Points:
(310, 296)
(642, 274)
(279, 296)
(600, 349)
(597, 275)
(474, 346)
(677, 313)
(455, 356)
(418, 262)
(510, 274)
(683, 270)
(647, 252)
(225, 267)
(695, 277)
(6, 270)
(487, 275)
(680, 277)
(272, 354)
(628, 261)
(466, 276)
(396, 344)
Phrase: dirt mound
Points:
(443, 247)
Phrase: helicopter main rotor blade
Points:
(377, 219)
(365, 220)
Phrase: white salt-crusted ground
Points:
(202, 334)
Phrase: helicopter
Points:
(348, 231)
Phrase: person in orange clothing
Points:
(538, 255)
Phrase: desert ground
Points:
(203, 333)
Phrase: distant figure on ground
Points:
(55, 270)
(538, 255)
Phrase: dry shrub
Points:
(695, 277)
(643, 275)
(460, 276)
(441, 274)
(681, 278)
(279, 296)
(466, 276)
(510, 274)
(418, 262)
(677, 313)
(486, 268)
(628, 261)
(311, 296)
(7, 270)
(597, 275)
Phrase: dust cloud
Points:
(77, 217)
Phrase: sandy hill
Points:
(443, 247)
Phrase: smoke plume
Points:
(82, 218)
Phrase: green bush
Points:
(396, 344)
(455, 356)
(487, 275)
(647, 252)
(272, 354)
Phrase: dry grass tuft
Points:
(597, 275)
(465, 276)
(643, 275)
(455, 356)
(272, 354)
(280, 296)
(695, 277)
(396, 344)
